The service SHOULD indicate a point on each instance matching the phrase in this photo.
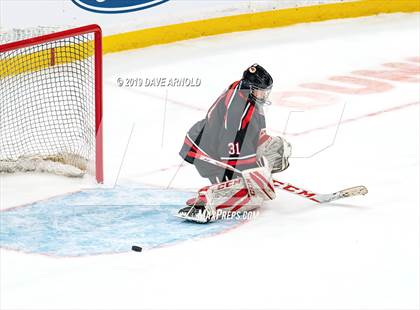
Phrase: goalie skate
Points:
(197, 214)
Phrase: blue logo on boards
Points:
(116, 6)
(102, 221)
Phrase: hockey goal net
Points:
(51, 103)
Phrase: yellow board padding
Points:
(30, 62)
(47, 57)
(252, 21)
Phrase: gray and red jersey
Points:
(229, 133)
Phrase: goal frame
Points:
(96, 30)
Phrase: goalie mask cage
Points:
(51, 103)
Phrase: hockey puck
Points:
(136, 248)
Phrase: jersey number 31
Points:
(234, 148)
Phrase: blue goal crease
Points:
(102, 221)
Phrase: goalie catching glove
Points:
(276, 150)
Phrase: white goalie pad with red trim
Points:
(260, 182)
(231, 196)
(221, 200)
(238, 195)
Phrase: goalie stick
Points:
(321, 198)
(316, 197)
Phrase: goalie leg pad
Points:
(238, 195)
(260, 182)
(241, 194)
(219, 200)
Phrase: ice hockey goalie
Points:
(233, 133)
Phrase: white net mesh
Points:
(47, 105)
(17, 34)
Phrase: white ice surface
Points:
(359, 253)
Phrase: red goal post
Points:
(51, 103)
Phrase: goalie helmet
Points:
(260, 83)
